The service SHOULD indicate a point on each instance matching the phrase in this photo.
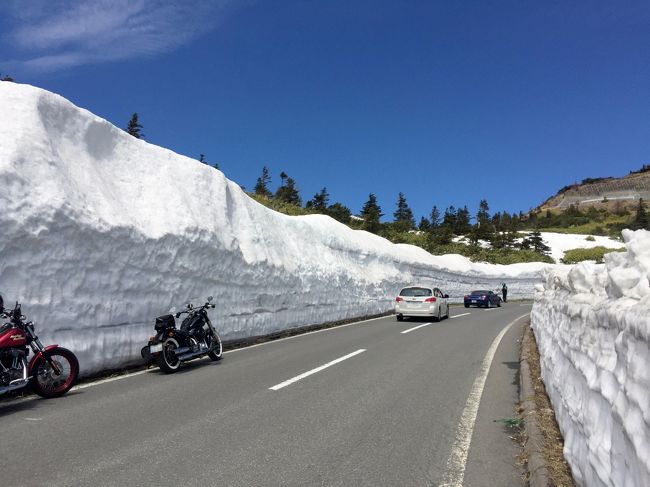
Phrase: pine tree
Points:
(509, 239)
(261, 187)
(425, 225)
(449, 218)
(536, 242)
(498, 240)
(288, 192)
(403, 215)
(496, 221)
(339, 212)
(7, 78)
(319, 202)
(441, 235)
(134, 127)
(202, 158)
(640, 220)
(371, 214)
(484, 228)
(462, 225)
(434, 218)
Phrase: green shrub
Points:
(590, 238)
(280, 206)
(574, 256)
(492, 256)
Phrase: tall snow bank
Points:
(592, 324)
(101, 232)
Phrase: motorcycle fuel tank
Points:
(13, 337)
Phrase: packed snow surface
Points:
(559, 243)
(102, 232)
(592, 323)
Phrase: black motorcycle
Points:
(195, 338)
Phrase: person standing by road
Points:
(504, 292)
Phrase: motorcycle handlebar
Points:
(194, 308)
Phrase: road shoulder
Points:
(493, 453)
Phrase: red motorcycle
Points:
(52, 371)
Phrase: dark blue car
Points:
(482, 298)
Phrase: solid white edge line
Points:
(140, 372)
(457, 460)
(313, 371)
(416, 327)
(458, 316)
(110, 379)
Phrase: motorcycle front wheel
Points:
(214, 342)
(167, 360)
(45, 380)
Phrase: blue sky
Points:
(448, 102)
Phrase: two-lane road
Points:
(375, 403)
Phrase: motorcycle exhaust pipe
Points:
(181, 351)
(190, 355)
(13, 385)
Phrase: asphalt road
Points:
(367, 404)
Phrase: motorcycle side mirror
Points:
(178, 315)
(446, 296)
(210, 298)
(2, 304)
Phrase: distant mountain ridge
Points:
(603, 192)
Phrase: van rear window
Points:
(416, 292)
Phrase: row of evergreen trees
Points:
(499, 229)
(288, 193)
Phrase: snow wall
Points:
(102, 232)
(592, 325)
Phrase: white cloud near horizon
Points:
(58, 34)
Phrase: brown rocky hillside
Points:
(609, 193)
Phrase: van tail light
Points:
(398, 299)
(430, 300)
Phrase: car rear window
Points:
(480, 292)
(415, 291)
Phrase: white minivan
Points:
(422, 301)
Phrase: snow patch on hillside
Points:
(561, 242)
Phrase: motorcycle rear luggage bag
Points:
(164, 322)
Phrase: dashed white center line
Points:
(317, 369)
(416, 327)
(458, 316)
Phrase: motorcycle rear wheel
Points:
(215, 341)
(45, 381)
(167, 360)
